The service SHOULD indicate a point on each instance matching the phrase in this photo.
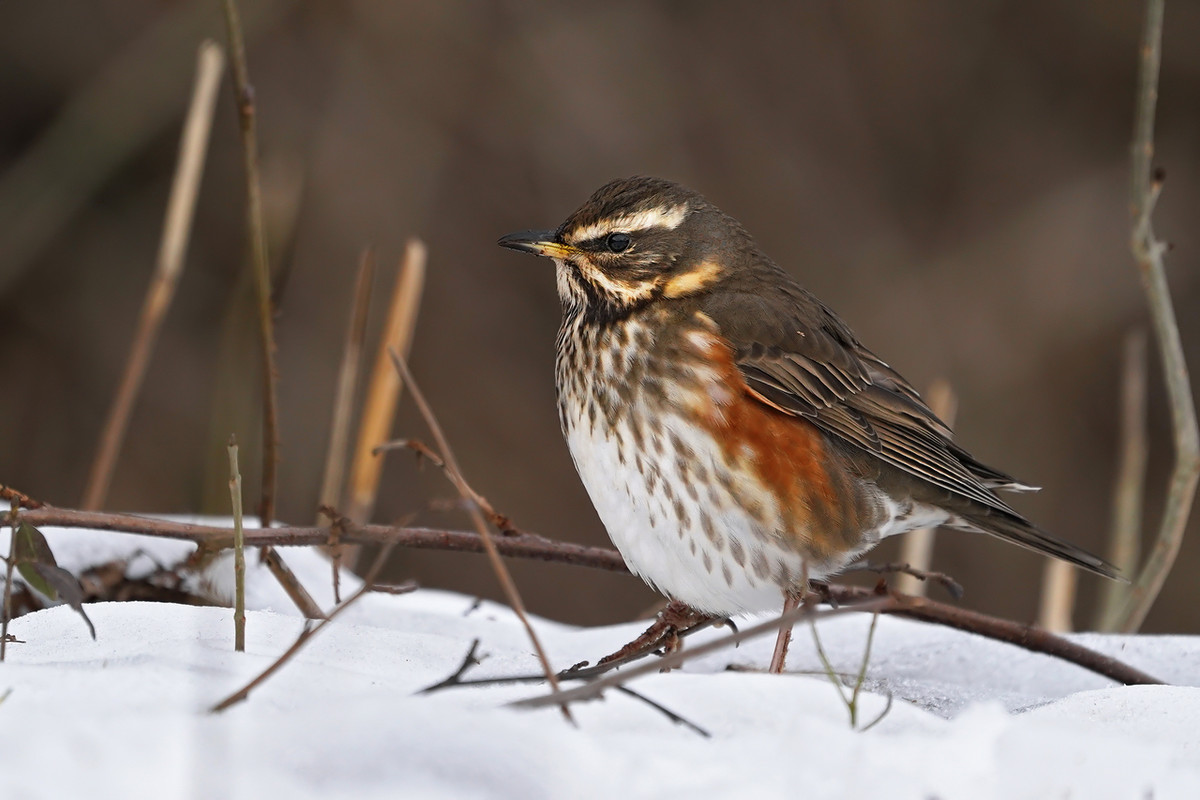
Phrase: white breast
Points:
(667, 497)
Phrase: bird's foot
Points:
(664, 636)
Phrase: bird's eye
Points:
(617, 242)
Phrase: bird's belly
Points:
(684, 521)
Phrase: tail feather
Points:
(1019, 531)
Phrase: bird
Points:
(734, 435)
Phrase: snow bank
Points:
(126, 715)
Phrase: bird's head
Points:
(637, 241)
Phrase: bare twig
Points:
(455, 678)
(916, 547)
(239, 551)
(422, 450)
(383, 391)
(1148, 252)
(594, 689)
(502, 574)
(310, 630)
(177, 228)
(921, 576)
(1129, 491)
(270, 557)
(256, 230)
(540, 548)
(1028, 637)
(471, 660)
(343, 403)
(666, 712)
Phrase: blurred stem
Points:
(1130, 484)
(385, 386)
(177, 229)
(110, 117)
(244, 95)
(1148, 252)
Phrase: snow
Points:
(126, 715)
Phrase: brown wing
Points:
(797, 356)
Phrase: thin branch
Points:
(489, 544)
(540, 548)
(666, 712)
(920, 576)
(239, 551)
(310, 630)
(177, 229)
(1028, 637)
(469, 661)
(595, 689)
(1130, 485)
(1148, 252)
(304, 601)
(256, 229)
(422, 450)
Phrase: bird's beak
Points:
(540, 243)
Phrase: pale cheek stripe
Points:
(668, 218)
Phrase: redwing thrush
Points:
(731, 430)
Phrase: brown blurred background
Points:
(951, 177)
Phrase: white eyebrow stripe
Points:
(668, 218)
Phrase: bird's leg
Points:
(792, 598)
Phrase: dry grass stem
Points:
(1130, 485)
(1148, 252)
(343, 407)
(383, 392)
(916, 549)
(1057, 603)
(239, 551)
(485, 536)
(177, 228)
(256, 230)
(343, 400)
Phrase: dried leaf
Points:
(30, 548)
(66, 586)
